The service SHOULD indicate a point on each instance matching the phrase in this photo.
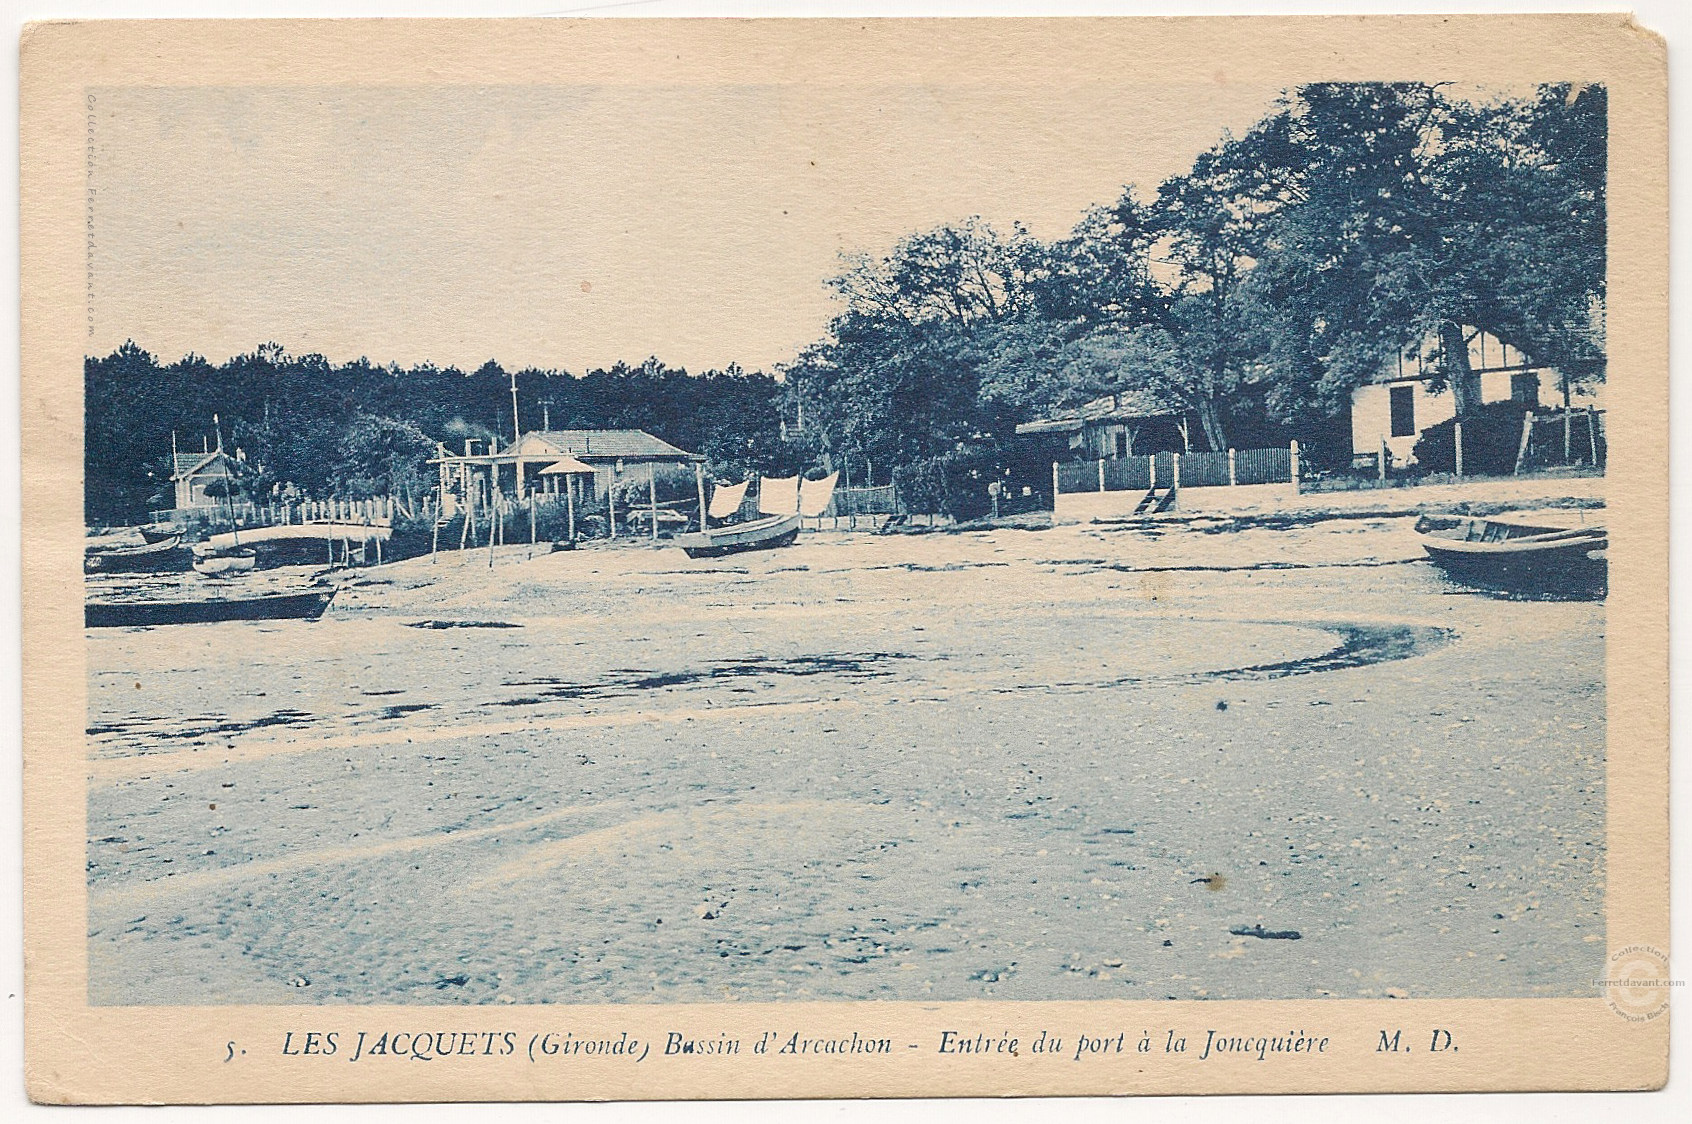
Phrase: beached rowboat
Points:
(1516, 550)
(162, 557)
(304, 605)
(760, 534)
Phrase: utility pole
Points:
(516, 433)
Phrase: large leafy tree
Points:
(1212, 225)
(897, 379)
(960, 331)
(1415, 215)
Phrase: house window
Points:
(1524, 388)
(1403, 402)
(1121, 443)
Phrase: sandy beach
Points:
(1088, 762)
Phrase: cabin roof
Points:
(608, 444)
(1127, 405)
(194, 464)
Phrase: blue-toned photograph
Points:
(788, 542)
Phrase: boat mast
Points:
(228, 500)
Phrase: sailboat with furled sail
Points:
(782, 503)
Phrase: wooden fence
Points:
(1220, 469)
(377, 512)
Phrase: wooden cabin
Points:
(194, 473)
(1125, 424)
(516, 469)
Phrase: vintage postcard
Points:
(702, 559)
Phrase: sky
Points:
(569, 227)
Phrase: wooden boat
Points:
(759, 534)
(224, 563)
(307, 533)
(1542, 551)
(168, 556)
(305, 605)
(158, 532)
(303, 543)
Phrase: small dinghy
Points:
(783, 503)
(1542, 550)
(154, 533)
(759, 534)
(224, 563)
(168, 556)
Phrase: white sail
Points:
(726, 499)
(815, 494)
(778, 497)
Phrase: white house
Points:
(1395, 409)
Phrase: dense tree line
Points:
(357, 429)
(1353, 223)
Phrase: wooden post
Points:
(1297, 469)
(851, 508)
(1233, 474)
(493, 522)
(611, 506)
(1383, 459)
(570, 503)
(1151, 471)
(699, 480)
(1457, 444)
(1527, 436)
(531, 519)
(1177, 484)
(652, 499)
(1054, 485)
(1566, 413)
(1592, 433)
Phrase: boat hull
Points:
(1499, 554)
(307, 605)
(223, 565)
(762, 534)
(166, 557)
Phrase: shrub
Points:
(953, 483)
(1491, 437)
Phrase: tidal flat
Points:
(1091, 762)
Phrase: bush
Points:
(1491, 437)
(953, 483)
(672, 482)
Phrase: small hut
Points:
(194, 476)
